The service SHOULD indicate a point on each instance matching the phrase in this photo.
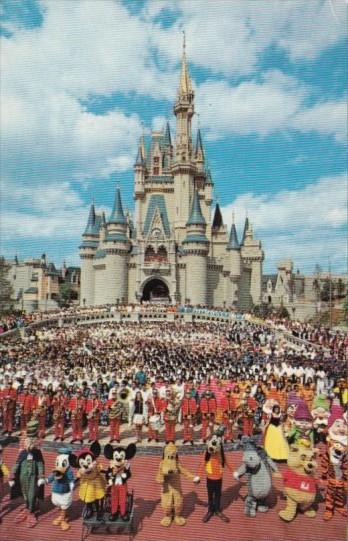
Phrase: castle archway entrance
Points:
(156, 290)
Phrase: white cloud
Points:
(228, 37)
(328, 118)
(308, 225)
(268, 104)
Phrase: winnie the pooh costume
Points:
(300, 487)
(169, 475)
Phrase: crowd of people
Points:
(172, 382)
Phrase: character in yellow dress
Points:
(4, 472)
(275, 442)
(92, 480)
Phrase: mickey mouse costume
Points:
(117, 476)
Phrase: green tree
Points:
(6, 289)
(66, 294)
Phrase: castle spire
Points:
(246, 229)
(217, 220)
(167, 136)
(196, 216)
(185, 86)
(233, 243)
(91, 221)
(117, 215)
(199, 151)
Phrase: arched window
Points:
(150, 254)
(162, 254)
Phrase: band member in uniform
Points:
(154, 408)
(249, 406)
(8, 407)
(188, 412)
(41, 404)
(208, 408)
(115, 409)
(58, 403)
(26, 402)
(93, 409)
(77, 406)
(170, 413)
(228, 411)
(138, 415)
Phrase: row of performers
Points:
(153, 411)
(104, 490)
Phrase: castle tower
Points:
(113, 287)
(252, 256)
(234, 265)
(183, 167)
(196, 248)
(139, 181)
(88, 248)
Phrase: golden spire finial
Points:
(185, 86)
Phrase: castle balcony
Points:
(156, 267)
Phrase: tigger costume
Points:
(335, 472)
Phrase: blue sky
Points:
(80, 78)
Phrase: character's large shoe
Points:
(310, 513)
(31, 520)
(64, 525)
(21, 515)
(207, 516)
(57, 520)
(222, 516)
(180, 521)
(166, 521)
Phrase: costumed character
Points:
(117, 476)
(291, 407)
(62, 479)
(212, 465)
(320, 414)
(303, 425)
(26, 406)
(169, 475)
(335, 475)
(258, 467)
(337, 425)
(4, 472)
(92, 480)
(208, 407)
(275, 443)
(300, 486)
(116, 410)
(28, 476)
(188, 411)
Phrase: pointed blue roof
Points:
(140, 159)
(246, 227)
(196, 216)
(233, 243)
(199, 143)
(117, 215)
(208, 179)
(167, 137)
(91, 221)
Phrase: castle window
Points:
(156, 170)
(150, 254)
(162, 254)
(156, 160)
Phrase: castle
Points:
(177, 250)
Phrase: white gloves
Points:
(11, 483)
(124, 475)
(71, 486)
(40, 482)
(235, 475)
(196, 479)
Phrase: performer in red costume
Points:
(188, 411)
(208, 409)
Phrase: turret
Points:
(139, 172)
(246, 229)
(88, 247)
(196, 247)
(184, 111)
(113, 283)
(233, 249)
(199, 152)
